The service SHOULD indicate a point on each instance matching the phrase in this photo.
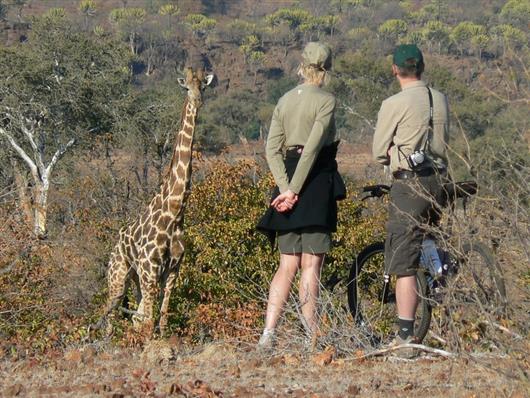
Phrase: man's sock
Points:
(406, 328)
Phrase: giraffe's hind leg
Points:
(117, 282)
(137, 291)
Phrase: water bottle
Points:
(430, 259)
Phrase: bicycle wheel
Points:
(476, 289)
(372, 302)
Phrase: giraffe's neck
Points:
(176, 185)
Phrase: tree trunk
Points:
(131, 43)
(40, 206)
(21, 183)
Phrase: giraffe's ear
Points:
(182, 82)
(209, 79)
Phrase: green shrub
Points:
(229, 265)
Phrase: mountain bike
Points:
(471, 279)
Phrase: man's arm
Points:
(440, 140)
(384, 134)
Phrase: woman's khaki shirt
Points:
(303, 116)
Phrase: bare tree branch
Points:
(29, 135)
(505, 100)
(350, 110)
(20, 151)
(58, 154)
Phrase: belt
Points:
(295, 149)
(408, 174)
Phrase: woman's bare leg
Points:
(310, 288)
(280, 288)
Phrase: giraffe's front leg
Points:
(148, 287)
(177, 253)
(138, 317)
(170, 283)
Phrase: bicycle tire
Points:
(366, 292)
(477, 284)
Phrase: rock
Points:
(409, 386)
(353, 390)
(88, 354)
(290, 359)
(324, 358)
(158, 351)
(234, 371)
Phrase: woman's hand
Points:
(285, 201)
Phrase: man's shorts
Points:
(412, 207)
(314, 240)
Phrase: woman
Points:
(301, 156)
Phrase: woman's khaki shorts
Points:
(314, 240)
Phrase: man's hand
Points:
(285, 201)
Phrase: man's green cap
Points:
(317, 54)
(407, 52)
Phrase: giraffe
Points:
(150, 250)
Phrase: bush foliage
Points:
(228, 264)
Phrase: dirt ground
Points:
(164, 368)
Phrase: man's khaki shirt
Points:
(303, 116)
(403, 127)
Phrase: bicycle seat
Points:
(466, 188)
(461, 189)
(375, 191)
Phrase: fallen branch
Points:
(421, 347)
(504, 329)
(437, 338)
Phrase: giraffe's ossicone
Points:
(149, 250)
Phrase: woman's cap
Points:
(317, 54)
(405, 54)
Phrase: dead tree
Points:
(34, 158)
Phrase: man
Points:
(411, 139)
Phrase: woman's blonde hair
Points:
(313, 74)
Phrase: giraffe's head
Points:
(195, 82)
